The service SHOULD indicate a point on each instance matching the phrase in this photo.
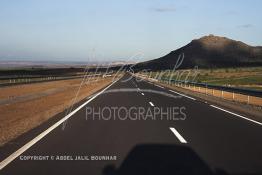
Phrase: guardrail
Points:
(243, 91)
(248, 96)
(230, 93)
(18, 81)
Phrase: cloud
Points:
(164, 9)
(245, 26)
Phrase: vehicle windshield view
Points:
(133, 87)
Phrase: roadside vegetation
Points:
(248, 78)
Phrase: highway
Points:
(163, 132)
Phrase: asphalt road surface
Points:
(139, 128)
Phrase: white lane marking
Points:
(89, 97)
(159, 86)
(138, 89)
(254, 121)
(20, 151)
(180, 138)
(151, 103)
(142, 93)
(182, 95)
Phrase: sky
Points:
(114, 30)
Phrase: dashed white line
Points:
(254, 121)
(182, 95)
(151, 103)
(44, 133)
(179, 136)
(138, 89)
(159, 86)
(142, 94)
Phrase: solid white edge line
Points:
(151, 103)
(254, 121)
(183, 95)
(180, 138)
(17, 153)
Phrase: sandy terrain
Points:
(24, 107)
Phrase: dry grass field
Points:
(23, 107)
(249, 78)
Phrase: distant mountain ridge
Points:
(209, 52)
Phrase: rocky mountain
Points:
(209, 52)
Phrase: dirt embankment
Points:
(24, 107)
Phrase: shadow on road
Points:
(154, 159)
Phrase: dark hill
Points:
(209, 51)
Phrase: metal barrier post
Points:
(206, 89)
